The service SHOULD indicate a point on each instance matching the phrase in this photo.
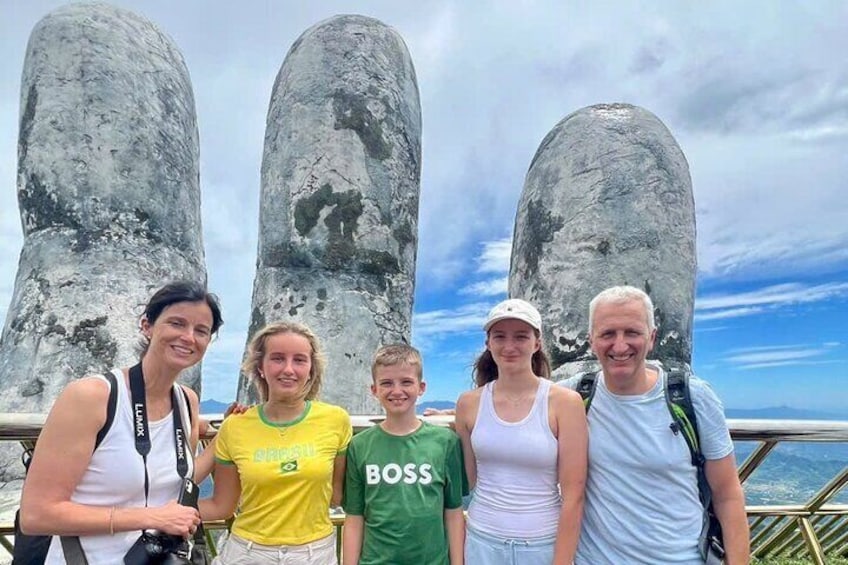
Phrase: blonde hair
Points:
(256, 350)
(398, 354)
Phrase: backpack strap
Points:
(72, 550)
(111, 407)
(679, 403)
(586, 388)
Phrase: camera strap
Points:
(142, 430)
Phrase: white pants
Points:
(239, 551)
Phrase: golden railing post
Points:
(753, 461)
(812, 542)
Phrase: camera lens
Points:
(154, 547)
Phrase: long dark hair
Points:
(486, 370)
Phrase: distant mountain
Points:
(212, 407)
(437, 404)
(782, 413)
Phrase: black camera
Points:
(158, 549)
(163, 549)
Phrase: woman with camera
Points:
(282, 461)
(115, 496)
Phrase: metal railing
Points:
(814, 530)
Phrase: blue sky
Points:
(756, 94)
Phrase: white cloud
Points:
(768, 299)
(492, 287)
(791, 363)
(464, 319)
(765, 356)
(710, 329)
(435, 41)
(758, 348)
(495, 256)
(784, 354)
(724, 314)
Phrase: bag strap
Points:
(72, 548)
(586, 388)
(111, 407)
(679, 402)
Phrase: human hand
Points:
(437, 412)
(175, 519)
(236, 408)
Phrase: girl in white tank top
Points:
(525, 448)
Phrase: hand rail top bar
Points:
(23, 426)
(815, 529)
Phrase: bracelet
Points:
(112, 521)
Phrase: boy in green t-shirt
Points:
(405, 478)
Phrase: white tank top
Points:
(517, 493)
(115, 476)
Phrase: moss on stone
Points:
(541, 227)
(90, 335)
(27, 119)
(403, 234)
(351, 112)
(32, 388)
(42, 208)
(379, 263)
(574, 350)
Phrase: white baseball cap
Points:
(514, 309)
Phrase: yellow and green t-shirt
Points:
(286, 472)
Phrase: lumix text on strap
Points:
(142, 430)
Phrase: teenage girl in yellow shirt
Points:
(284, 459)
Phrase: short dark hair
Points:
(183, 291)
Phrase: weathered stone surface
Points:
(339, 205)
(109, 197)
(607, 201)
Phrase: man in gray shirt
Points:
(642, 503)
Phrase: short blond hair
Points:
(398, 354)
(256, 350)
